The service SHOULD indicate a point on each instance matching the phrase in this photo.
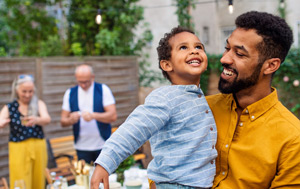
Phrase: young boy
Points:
(176, 119)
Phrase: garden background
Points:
(29, 32)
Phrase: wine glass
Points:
(19, 184)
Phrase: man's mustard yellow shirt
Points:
(261, 150)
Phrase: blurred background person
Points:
(90, 108)
(26, 115)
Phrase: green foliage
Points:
(51, 47)
(125, 165)
(281, 10)
(76, 49)
(214, 65)
(114, 36)
(2, 51)
(285, 79)
(26, 26)
(148, 76)
(107, 41)
(183, 13)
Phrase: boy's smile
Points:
(188, 59)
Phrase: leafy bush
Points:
(214, 65)
(51, 47)
(287, 78)
(125, 165)
(25, 25)
(2, 51)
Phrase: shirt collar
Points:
(258, 108)
(90, 89)
(190, 88)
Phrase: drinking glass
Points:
(19, 184)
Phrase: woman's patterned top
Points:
(18, 132)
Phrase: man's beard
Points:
(239, 84)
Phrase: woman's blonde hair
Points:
(33, 105)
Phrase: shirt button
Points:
(213, 146)
(212, 162)
(211, 129)
(199, 95)
(247, 111)
(223, 173)
(206, 111)
(241, 124)
(226, 145)
(252, 117)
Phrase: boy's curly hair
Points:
(277, 35)
(164, 48)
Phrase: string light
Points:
(98, 17)
(282, 4)
(230, 6)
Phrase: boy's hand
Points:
(100, 175)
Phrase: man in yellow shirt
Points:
(258, 138)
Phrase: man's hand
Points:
(100, 175)
(87, 116)
(74, 117)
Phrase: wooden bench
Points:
(61, 151)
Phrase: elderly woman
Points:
(27, 147)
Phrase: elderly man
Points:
(90, 108)
(258, 138)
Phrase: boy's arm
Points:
(100, 175)
(145, 121)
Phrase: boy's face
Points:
(188, 59)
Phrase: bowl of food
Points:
(133, 184)
(115, 185)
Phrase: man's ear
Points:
(166, 65)
(271, 65)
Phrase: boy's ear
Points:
(166, 65)
(271, 65)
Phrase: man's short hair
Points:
(164, 48)
(277, 35)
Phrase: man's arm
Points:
(110, 114)
(68, 118)
(288, 174)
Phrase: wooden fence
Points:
(53, 76)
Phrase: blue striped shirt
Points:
(182, 133)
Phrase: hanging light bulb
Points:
(282, 4)
(98, 17)
(230, 6)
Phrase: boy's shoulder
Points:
(160, 91)
(170, 90)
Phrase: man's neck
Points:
(249, 96)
